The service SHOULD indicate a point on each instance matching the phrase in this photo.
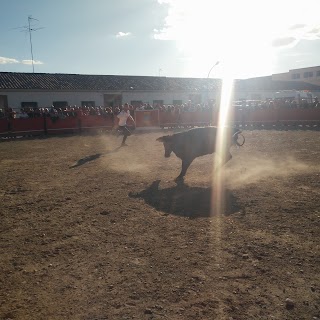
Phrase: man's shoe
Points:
(124, 145)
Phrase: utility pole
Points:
(208, 80)
(29, 28)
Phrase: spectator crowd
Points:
(56, 113)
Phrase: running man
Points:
(123, 116)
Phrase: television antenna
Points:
(30, 28)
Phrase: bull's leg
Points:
(185, 165)
(224, 160)
(227, 158)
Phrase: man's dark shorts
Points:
(124, 130)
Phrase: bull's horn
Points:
(244, 140)
(238, 132)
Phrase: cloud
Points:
(297, 26)
(205, 19)
(296, 33)
(30, 62)
(284, 41)
(313, 33)
(315, 30)
(122, 34)
(163, 34)
(4, 60)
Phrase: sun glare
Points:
(239, 34)
(221, 145)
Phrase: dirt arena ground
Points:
(90, 231)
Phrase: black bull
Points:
(197, 142)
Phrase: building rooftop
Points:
(81, 82)
(267, 84)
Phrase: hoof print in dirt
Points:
(104, 213)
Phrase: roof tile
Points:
(79, 82)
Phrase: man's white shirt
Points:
(123, 116)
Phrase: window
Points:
(308, 74)
(27, 105)
(88, 103)
(177, 102)
(318, 73)
(136, 103)
(60, 104)
(157, 103)
(296, 76)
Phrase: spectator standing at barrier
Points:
(23, 114)
(131, 110)
(123, 116)
(116, 110)
(316, 102)
(12, 114)
(148, 107)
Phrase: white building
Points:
(309, 75)
(43, 90)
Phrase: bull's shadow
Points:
(86, 159)
(182, 200)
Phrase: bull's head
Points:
(168, 145)
(235, 136)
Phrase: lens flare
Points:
(223, 134)
(218, 196)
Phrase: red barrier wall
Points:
(3, 126)
(262, 115)
(28, 125)
(156, 118)
(146, 118)
(168, 118)
(95, 122)
(215, 118)
(196, 118)
(69, 124)
(274, 116)
(299, 114)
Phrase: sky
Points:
(172, 38)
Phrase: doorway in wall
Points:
(4, 103)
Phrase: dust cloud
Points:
(257, 169)
(132, 158)
(144, 156)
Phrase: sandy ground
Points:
(91, 231)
